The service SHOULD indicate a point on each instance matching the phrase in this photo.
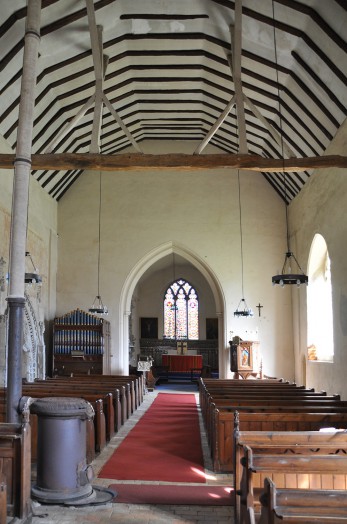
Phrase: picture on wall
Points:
(149, 327)
(245, 356)
(212, 328)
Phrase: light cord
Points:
(281, 127)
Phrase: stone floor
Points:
(135, 513)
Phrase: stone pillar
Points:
(19, 221)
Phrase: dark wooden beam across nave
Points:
(63, 161)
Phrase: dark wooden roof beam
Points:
(66, 161)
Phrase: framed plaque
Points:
(149, 327)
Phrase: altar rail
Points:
(155, 348)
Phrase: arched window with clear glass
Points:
(320, 335)
(181, 311)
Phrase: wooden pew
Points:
(263, 404)
(120, 395)
(212, 395)
(225, 389)
(104, 410)
(208, 384)
(247, 398)
(80, 390)
(300, 460)
(217, 393)
(222, 445)
(136, 384)
(131, 386)
(301, 506)
(15, 463)
(222, 401)
(95, 429)
(3, 499)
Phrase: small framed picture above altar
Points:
(212, 329)
(149, 327)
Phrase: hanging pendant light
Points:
(32, 277)
(288, 275)
(242, 309)
(98, 306)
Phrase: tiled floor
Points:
(135, 513)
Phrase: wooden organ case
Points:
(80, 341)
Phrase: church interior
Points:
(173, 183)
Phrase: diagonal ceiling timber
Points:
(168, 79)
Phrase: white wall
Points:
(41, 231)
(198, 212)
(41, 239)
(321, 208)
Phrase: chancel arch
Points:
(158, 263)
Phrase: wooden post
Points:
(22, 167)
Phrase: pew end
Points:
(301, 505)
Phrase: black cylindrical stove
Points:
(62, 471)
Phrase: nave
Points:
(144, 513)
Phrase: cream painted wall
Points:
(321, 208)
(41, 236)
(196, 214)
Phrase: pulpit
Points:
(242, 358)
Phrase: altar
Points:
(182, 363)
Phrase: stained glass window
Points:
(181, 311)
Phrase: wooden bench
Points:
(244, 398)
(213, 386)
(301, 506)
(207, 391)
(227, 422)
(261, 403)
(136, 384)
(213, 396)
(265, 399)
(78, 390)
(96, 429)
(220, 423)
(3, 499)
(120, 396)
(106, 411)
(300, 460)
(15, 464)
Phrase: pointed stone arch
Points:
(141, 267)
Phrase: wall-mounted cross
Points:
(259, 306)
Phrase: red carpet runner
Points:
(164, 445)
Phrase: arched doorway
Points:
(154, 256)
